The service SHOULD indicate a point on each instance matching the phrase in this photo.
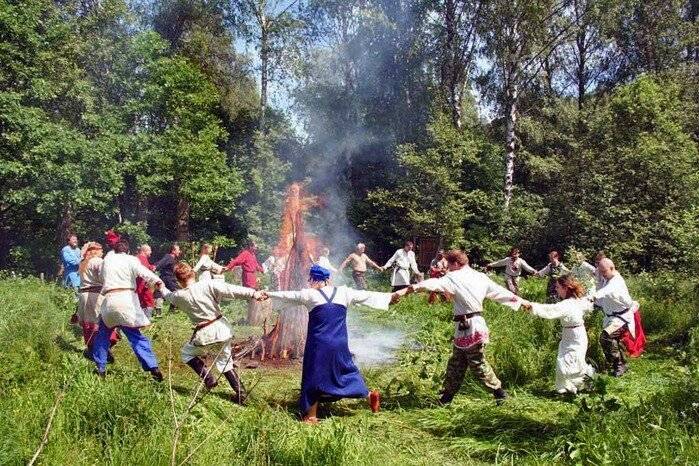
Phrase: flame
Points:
(295, 247)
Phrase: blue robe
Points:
(328, 370)
(70, 257)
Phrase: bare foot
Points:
(311, 420)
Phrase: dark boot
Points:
(110, 357)
(500, 395)
(619, 369)
(445, 399)
(237, 386)
(200, 369)
(156, 374)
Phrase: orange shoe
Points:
(374, 401)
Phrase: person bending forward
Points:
(469, 288)
(328, 370)
(571, 367)
(212, 334)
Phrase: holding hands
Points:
(260, 295)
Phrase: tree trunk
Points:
(510, 144)
(450, 74)
(65, 224)
(264, 70)
(182, 220)
(259, 312)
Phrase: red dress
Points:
(144, 292)
(248, 262)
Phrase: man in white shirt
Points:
(469, 288)
(404, 265)
(513, 264)
(618, 307)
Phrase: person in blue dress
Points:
(328, 370)
(70, 258)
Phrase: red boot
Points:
(375, 401)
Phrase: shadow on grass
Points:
(67, 346)
(496, 426)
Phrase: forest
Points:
(484, 124)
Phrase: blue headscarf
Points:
(319, 274)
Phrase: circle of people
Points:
(118, 292)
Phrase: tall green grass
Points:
(649, 416)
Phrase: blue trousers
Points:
(140, 344)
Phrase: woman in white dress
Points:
(206, 267)
(571, 367)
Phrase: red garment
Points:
(248, 262)
(436, 272)
(635, 346)
(144, 292)
(90, 332)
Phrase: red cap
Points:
(111, 238)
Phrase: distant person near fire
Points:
(358, 260)
(514, 265)
(247, 261)
(404, 266)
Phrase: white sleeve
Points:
(500, 263)
(500, 295)
(441, 285)
(145, 274)
(588, 267)
(527, 267)
(296, 297)
(549, 311)
(544, 271)
(413, 263)
(391, 260)
(368, 298)
(229, 291)
(200, 264)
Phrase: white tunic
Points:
(469, 288)
(324, 262)
(207, 268)
(571, 367)
(616, 302)
(513, 267)
(592, 270)
(122, 308)
(201, 301)
(310, 297)
(404, 262)
(90, 298)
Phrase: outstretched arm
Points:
(296, 297)
(500, 263)
(372, 299)
(500, 295)
(528, 267)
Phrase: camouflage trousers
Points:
(462, 359)
(611, 346)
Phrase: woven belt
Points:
(201, 325)
(117, 289)
(91, 289)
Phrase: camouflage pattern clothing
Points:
(462, 359)
(553, 272)
(613, 353)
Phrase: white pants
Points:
(224, 361)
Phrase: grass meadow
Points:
(649, 416)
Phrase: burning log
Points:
(294, 249)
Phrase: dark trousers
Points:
(611, 346)
(398, 288)
(465, 358)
